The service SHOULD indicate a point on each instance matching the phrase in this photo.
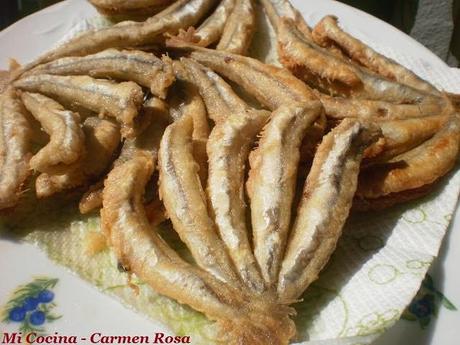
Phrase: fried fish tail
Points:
(15, 148)
(327, 32)
(272, 181)
(324, 207)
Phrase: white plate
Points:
(83, 308)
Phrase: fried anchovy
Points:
(152, 122)
(180, 14)
(188, 102)
(185, 201)
(219, 97)
(271, 86)
(416, 168)
(133, 65)
(403, 135)
(327, 32)
(340, 108)
(272, 182)
(102, 138)
(121, 101)
(67, 140)
(228, 149)
(239, 29)
(336, 76)
(324, 207)
(212, 28)
(247, 319)
(15, 135)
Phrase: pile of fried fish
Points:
(256, 166)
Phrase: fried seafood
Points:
(154, 119)
(185, 201)
(188, 102)
(212, 28)
(244, 318)
(15, 148)
(327, 33)
(180, 14)
(275, 10)
(403, 135)
(340, 108)
(239, 28)
(416, 168)
(272, 181)
(256, 238)
(67, 140)
(219, 97)
(102, 138)
(92, 198)
(270, 85)
(121, 101)
(228, 149)
(131, 8)
(324, 207)
(337, 77)
(143, 68)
